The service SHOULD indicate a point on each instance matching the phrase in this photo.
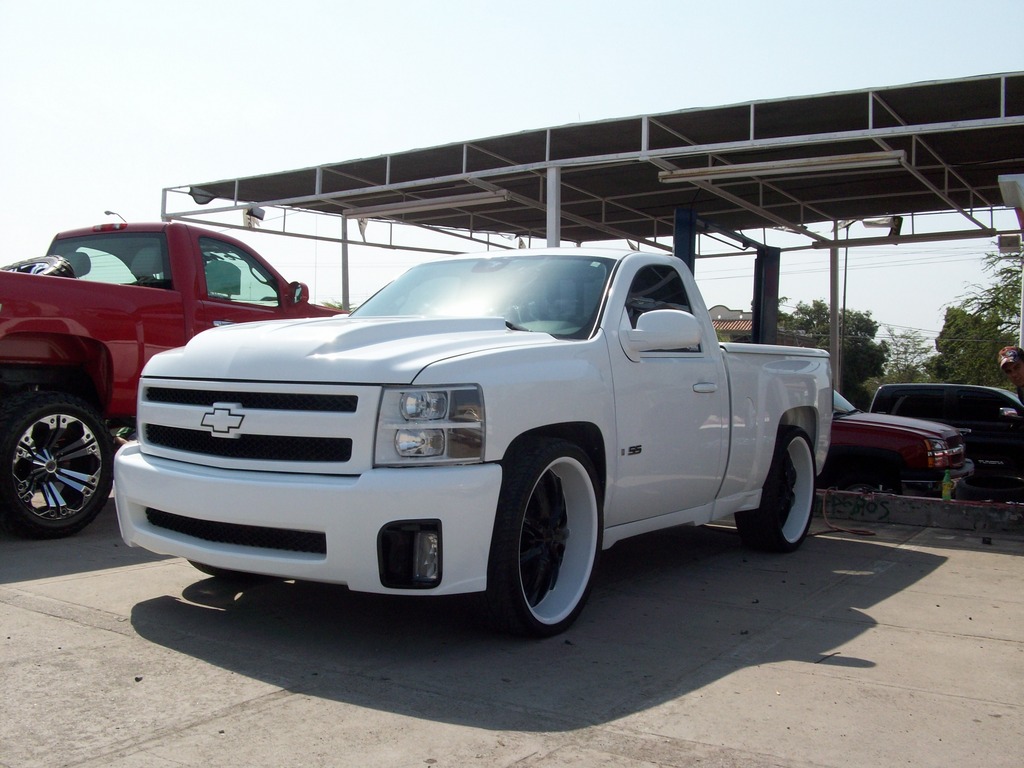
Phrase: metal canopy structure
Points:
(781, 164)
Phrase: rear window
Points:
(122, 259)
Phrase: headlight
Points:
(430, 425)
(940, 455)
(424, 405)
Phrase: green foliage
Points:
(908, 357)
(985, 320)
(862, 357)
(967, 347)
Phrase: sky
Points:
(107, 103)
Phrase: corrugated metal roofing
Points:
(952, 140)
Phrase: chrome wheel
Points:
(59, 455)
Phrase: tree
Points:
(985, 320)
(908, 357)
(967, 346)
(862, 357)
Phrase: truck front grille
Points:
(243, 535)
(260, 447)
(274, 401)
(260, 426)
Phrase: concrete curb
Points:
(920, 511)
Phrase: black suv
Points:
(991, 419)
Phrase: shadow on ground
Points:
(670, 613)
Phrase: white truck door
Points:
(671, 413)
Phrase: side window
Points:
(656, 287)
(974, 406)
(234, 275)
(919, 406)
(121, 259)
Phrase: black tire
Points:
(547, 539)
(56, 456)
(781, 522)
(57, 266)
(990, 488)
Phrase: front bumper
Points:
(929, 482)
(349, 512)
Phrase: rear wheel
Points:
(781, 522)
(56, 456)
(547, 536)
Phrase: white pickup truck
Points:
(486, 423)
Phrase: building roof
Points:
(782, 163)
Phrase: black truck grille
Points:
(272, 401)
(261, 447)
(243, 535)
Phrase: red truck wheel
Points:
(56, 460)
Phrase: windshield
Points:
(560, 295)
(841, 406)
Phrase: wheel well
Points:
(584, 434)
(804, 417)
(70, 379)
(64, 362)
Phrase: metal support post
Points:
(833, 325)
(684, 237)
(554, 207)
(344, 264)
(766, 295)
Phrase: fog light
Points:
(409, 554)
(426, 566)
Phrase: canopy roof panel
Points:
(786, 163)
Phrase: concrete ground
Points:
(899, 648)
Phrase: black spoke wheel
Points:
(547, 536)
(781, 522)
(56, 455)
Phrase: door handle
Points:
(705, 387)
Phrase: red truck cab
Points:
(72, 350)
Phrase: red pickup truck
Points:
(72, 350)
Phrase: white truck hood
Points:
(378, 350)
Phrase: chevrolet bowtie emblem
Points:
(224, 419)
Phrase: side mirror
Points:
(662, 329)
(299, 292)
(1010, 414)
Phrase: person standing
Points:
(1011, 362)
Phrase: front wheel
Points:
(56, 456)
(781, 522)
(858, 479)
(547, 536)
